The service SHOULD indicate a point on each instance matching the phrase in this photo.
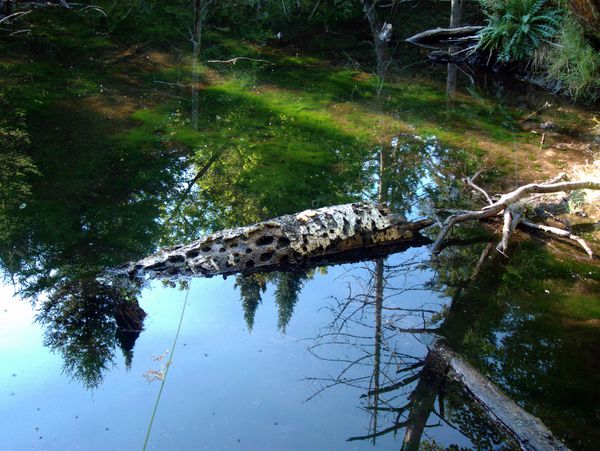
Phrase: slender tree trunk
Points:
(455, 21)
(378, 339)
(456, 8)
(382, 53)
(199, 11)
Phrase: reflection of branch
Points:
(393, 428)
(14, 16)
(238, 58)
(396, 386)
(201, 173)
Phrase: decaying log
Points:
(289, 240)
(443, 37)
(527, 430)
(337, 234)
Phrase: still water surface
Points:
(101, 173)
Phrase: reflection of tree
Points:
(288, 286)
(401, 385)
(16, 167)
(413, 174)
(251, 288)
(287, 289)
(86, 320)
(73, 202)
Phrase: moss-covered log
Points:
(290, 240)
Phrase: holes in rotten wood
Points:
(265, 240)
(177, 258)
(266, 256)
(283, 242)
(346, 227)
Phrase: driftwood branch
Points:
(471, 182)
(527, 430)
(443, 37)
(560, 233)
(14, 16)
(304, 239)
(238, 58)
(509, 206)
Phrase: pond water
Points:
(99, 165)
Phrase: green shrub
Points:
(574, 62)
(516, 28)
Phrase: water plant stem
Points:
(168, 365)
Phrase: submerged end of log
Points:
(284, 241)
(528, 430)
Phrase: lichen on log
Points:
(284, 241)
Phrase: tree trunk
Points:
(380, 37)
(587, 13)
(455, 13)
(196, 46)
(342, 232)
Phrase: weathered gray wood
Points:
(506, 201)
(528, 430)
(285, 241)
(443, 37)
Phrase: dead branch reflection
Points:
(378, 343)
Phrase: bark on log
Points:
(443, 37)
(291, 240)
(526, 429)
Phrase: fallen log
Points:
(527, 430)
(328, 234)
(444, 37)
